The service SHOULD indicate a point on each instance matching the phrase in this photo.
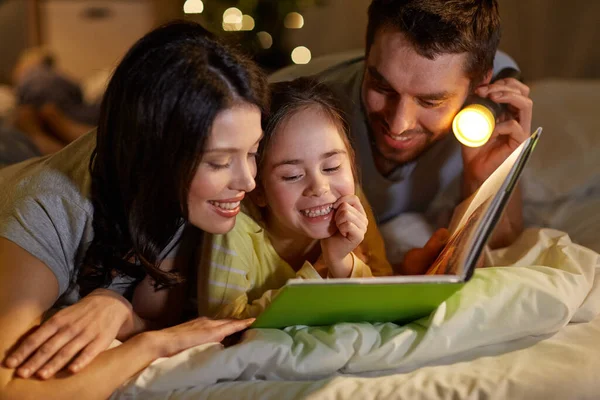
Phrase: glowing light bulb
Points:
(473, 125)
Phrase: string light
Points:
(301, 55)
(265, 39)
(193, 7)
(247, 23)
(293, 20)
(232, 19)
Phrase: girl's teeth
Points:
(318, 212)
(400, 138)
(226, 206)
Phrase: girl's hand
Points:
(175, 339)
(351, 222)
(82, 331)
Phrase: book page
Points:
(473, 212)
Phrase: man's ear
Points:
(258, 196)
(487, 78)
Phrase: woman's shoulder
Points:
(64, 175)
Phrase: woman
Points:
(173, 156)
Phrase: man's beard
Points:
(390, 159)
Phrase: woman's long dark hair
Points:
(155, 118)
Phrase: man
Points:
(422, 59)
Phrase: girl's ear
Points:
(258, 196)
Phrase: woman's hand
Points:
(351, 222)
(74, 335)
(175, 339)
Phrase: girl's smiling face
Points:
(306, 169)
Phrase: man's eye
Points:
(429, 104)
(383, 88)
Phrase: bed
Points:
(531, 332)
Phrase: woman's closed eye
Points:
(218, 165)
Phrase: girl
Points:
(305, 219)
(178, 105)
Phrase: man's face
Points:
(410, 100)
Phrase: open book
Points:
(405, 298)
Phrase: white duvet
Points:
(553, 283)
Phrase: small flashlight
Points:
(474, 124)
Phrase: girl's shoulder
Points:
(246, 225)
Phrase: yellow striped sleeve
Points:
(231, 260)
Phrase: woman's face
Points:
(227, 169)
(306, 170)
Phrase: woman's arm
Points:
(28, 288)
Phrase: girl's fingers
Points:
(352, 200)
(350, 214)
(351, 232)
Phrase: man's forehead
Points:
(394, 57)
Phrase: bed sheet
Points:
(565, 365)
(496, 338)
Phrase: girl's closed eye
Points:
(291, 178)
(332, 169)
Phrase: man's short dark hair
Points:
(437, 27)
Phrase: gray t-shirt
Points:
(45, 208)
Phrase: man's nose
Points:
(402, 116)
